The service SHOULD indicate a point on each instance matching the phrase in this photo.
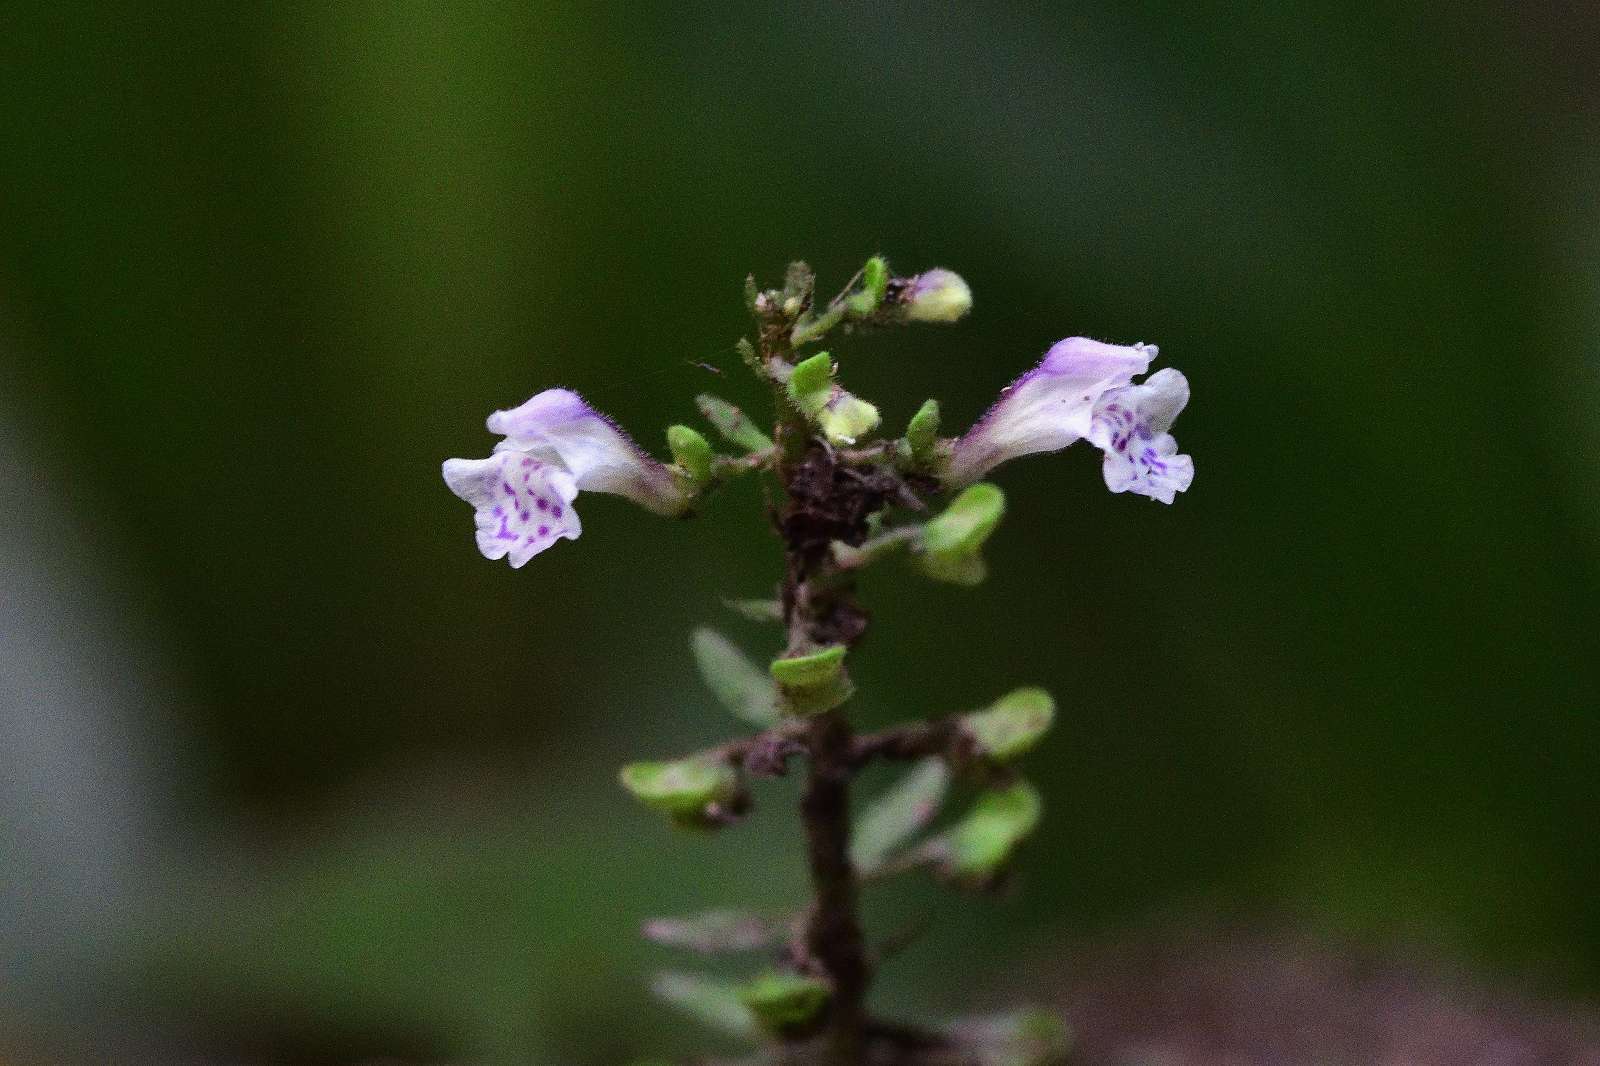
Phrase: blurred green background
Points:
(290, 773)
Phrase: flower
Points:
(1130, 425)
(1084, 388)
(554, 446)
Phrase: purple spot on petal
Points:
(542, 503)
(544, 531)
(527, 463)
(507, 486)
(498, 510)
(524, 515)
(556, 511)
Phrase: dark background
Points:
(288, 771)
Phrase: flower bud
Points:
(691, 452)
(922, 433)
(937, 296)
(841, 416)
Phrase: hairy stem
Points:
(834, 938)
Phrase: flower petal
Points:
(1050, 406)
(1130, 425)
(522, 502)
(598, 454)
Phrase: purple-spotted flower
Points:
(1084, 389)
(555, 446)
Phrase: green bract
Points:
(874, 283)
(1011, 726)
(978, 846)
(966, 523)
(811, 383)
(813, 683)
(783, 1003)
(951, 542)
(683, 788)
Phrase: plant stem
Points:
(827, 502)
(834, 938)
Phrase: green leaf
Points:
(898, 814)
(982, 843)
(683, 788)
(811, 384)
(757, 610)
(1025, 1037)
(1012, 726)
(785, 1003)
(712, 1002)
(690, 451)
(736, 681)
(735, 426)
(715, 931)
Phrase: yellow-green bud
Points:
(937, 296)
(691, 452)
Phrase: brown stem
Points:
(834, 938)
(829, 498)
(913, 740)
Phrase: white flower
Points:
(555, 445)
(1049, 407)
(1130, 425)
(1083, 388)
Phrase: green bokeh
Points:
(265, 266)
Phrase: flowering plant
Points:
(849, 501)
